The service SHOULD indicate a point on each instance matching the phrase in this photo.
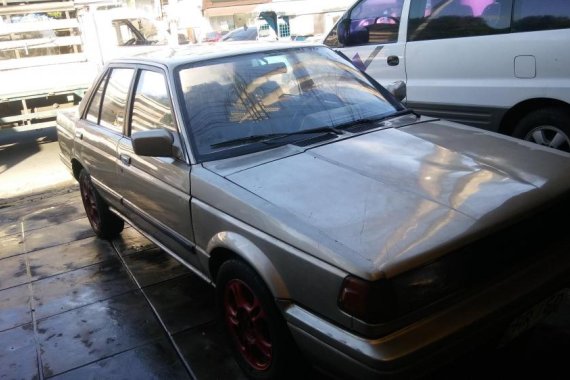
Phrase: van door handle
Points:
(393, 60)
(125, 159)
(79, 135)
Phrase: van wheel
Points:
(549, 127)
(258, 335)
(105, 224)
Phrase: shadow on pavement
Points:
(30, 164)
(17, 146)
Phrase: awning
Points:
(304, 7)
(289, 8)
(230, 11)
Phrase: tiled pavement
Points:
(76, 307)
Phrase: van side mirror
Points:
(348, 37)
(153, 143)
(343, 31)
(398, 89)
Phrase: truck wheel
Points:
(549, 127)
(105, 224)
(258, 335)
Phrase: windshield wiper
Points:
(403, 112)
(324, 129)
(337, 129)
(247, 139)
(266, 138)
(373, 120)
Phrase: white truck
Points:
(51, 51)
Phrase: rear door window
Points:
(115, 99)
(533, 15)
(439, 19)
(95, 106)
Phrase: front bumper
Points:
(437, 339)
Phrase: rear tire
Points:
(105, 224)
(548, 126)
(256, 330)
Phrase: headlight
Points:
(381, 301)
(423, 286)
(371, 302)
(483, 261)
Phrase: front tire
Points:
(548, 126)
(262, 344)
(105, 224)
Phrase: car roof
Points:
(172, 57)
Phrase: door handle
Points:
(393, 60)
(125, 159)
(79, 135)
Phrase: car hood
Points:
(399, 197)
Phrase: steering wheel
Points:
(395, 19)
(130, 42)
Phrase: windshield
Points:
(138, 31)
(270, 94)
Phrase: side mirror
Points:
(343, 31)
(182, 39)
(398, 89)
(153, 143)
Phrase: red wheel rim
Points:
(89, 202)
(248, 324)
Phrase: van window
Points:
(375, 22)
(531, 15)
(438, 19)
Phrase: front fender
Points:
(251, 254)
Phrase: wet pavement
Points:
(73, 306)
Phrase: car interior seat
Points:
(207, 112)
(262, 81)
(270, 92)
(496, 14)
(455, 8)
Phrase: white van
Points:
(502, 65)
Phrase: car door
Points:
(372, 35)
(98, 132)
(462, 58)
(156, 190)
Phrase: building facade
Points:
(225, 15)
(291, 17)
